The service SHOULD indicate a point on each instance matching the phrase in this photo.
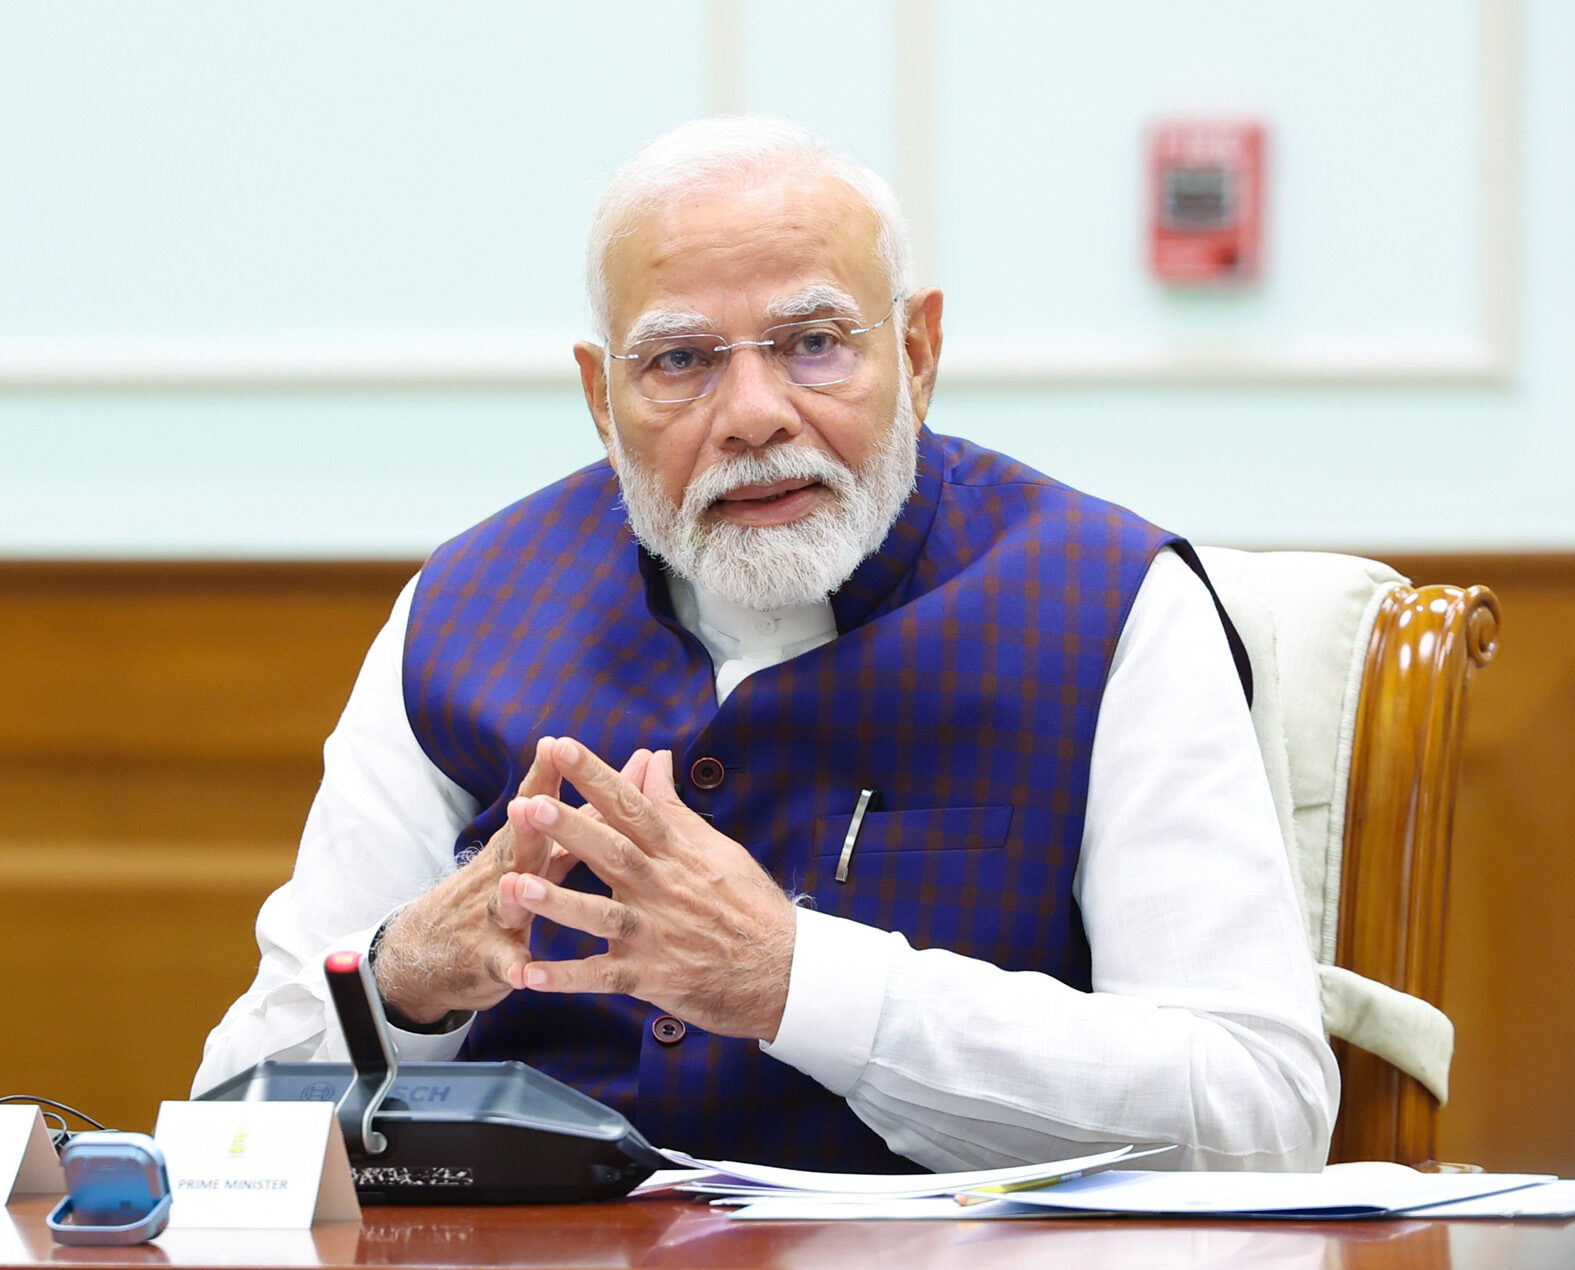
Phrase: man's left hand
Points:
(694, 925)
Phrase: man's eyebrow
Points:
(820, 298)
(661, 322)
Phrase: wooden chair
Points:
(1360, 704)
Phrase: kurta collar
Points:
(752, 632)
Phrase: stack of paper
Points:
(1103, 1184)
(1341, 1193)
(736, 1183)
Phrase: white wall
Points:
(300, 279)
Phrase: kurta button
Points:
(706, 773)
(668, 1030)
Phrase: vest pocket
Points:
(922, 871)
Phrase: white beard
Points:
(776, 566)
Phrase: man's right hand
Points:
(446, 950)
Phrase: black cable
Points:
(57, 1136)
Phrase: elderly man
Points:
(813, 788)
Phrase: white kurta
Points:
(1203, 1027)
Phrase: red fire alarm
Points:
(1206, 200)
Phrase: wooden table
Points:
(684, 1235)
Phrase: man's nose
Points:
(753, 405)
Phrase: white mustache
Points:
(764, 467)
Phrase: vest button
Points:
(706, 773)
(668, 1030)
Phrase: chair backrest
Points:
(1359, 705)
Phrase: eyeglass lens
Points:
(681, 368)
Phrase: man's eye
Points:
(816, 343)
(679, 361)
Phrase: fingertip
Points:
(541, 810)
(639, 763)
(663, 762)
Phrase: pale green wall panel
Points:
(412, 176)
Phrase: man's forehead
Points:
(779, 244)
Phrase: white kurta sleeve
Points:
(1203, 1028)
(380, 832)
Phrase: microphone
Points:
(361, 1019)
(465, 1132)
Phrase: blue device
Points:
(117, 1190)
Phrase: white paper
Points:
(1372, 1191)
(735, 1178)
(28, 1163)
(664, 1178)
(255, 1165)
(848, 1208)
(1553, 1199)
(1377, 1189)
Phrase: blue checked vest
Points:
(963, 685)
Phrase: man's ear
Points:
(922, 342)
(593, 382)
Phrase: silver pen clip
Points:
(853, 834)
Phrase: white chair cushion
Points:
(1306, 619)
(1416, 1037)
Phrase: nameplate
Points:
(255, 1165)
(28, 1163)
(14, 1250)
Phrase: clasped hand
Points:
(693, 924)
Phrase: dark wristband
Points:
(448, 1023)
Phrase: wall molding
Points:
(153, 871)
(1246, 363)
(490, 360)
(96, 579)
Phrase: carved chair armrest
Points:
(1426, 645)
